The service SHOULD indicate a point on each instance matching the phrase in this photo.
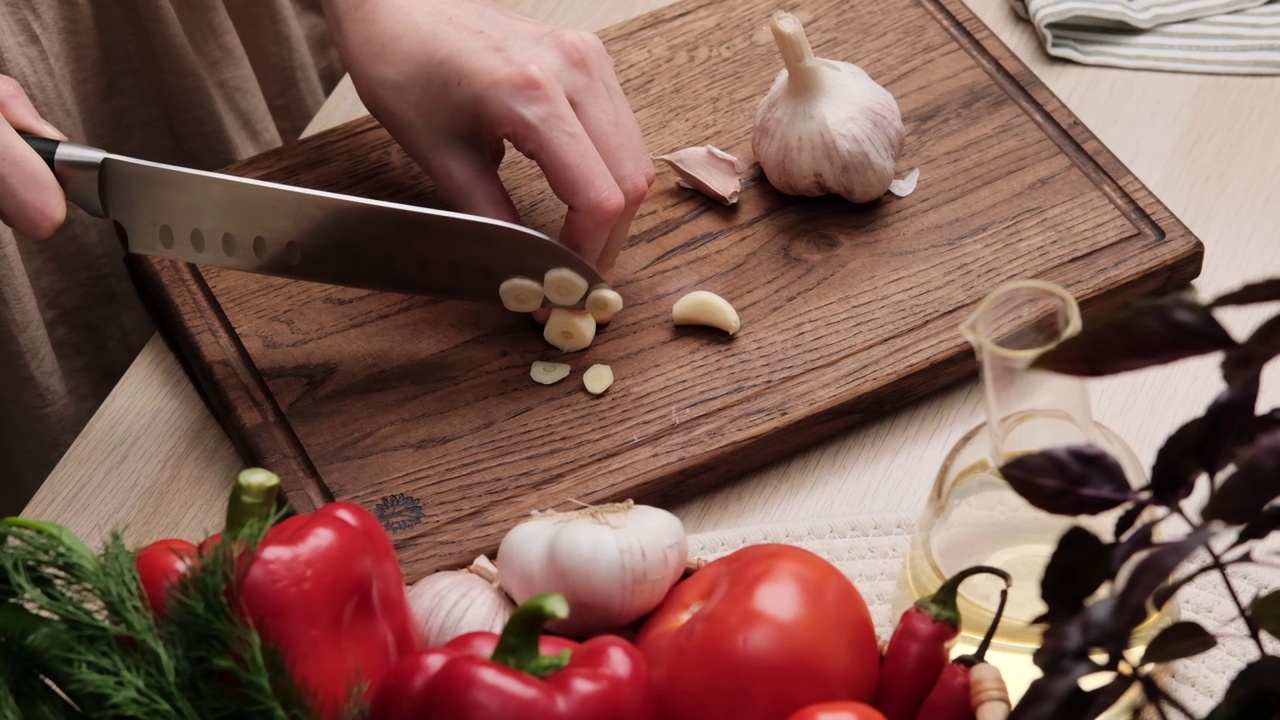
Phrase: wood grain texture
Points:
(422, 410)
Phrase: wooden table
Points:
(154, 461)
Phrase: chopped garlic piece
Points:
(520, 294)
(705, 308)
(603, 303)
(570, 330)
(564, 286)
(548, 372)
(597, 378)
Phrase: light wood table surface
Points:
(153, 459)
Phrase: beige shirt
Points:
(199, 83)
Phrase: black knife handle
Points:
(46, 148)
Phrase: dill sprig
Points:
(78, 639)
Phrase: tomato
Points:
(838, 711)
(758, 635)
(160, 566)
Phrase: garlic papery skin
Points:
(455, 602)
(614, 563)
(825, 126)
(709, 170)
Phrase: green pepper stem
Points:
(518, 645)
(252, 501)
(980, 655)
(941, 606)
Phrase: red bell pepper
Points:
(324, 589)
(520, 675)
(839, 710)
(920, 647)
(161, 566)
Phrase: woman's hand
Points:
(31, 201)
(451, 79)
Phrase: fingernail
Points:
(51, 131)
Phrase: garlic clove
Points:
(564, 286)
(451, 603)
(907, 184)
(709, 170)
(613, 563)
(548, 373)
(603, 303)
(569, 330)
(520, 294)
(706, 308)
(825, 126)
(597, 379)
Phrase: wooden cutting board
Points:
(423, 411)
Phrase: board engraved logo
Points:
(399, 512)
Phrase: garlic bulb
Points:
(455, 602)
(614, 563)
(825, 126)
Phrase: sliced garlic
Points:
(597, 379)
(520, 294)
(548, 372)
(709, 170)
(603, 303)
(907, 184)
(570, 330)
(706, 308)
(564, 286)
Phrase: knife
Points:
(261, 227)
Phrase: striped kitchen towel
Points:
(1237, 37)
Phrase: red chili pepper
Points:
(918, 650)
(952, 696)
(838, 710)
(483, 676)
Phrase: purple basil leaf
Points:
(1078, 567)
(1254, 694)
(1255, 482)
(1265, 612)
(1148, 575)
(1179, 640)
(1075, 480)
(1177, 465)
(1125, 522)
(1262, 525)
(1152, 333)
(1046, 698)
(1262, 291)
(1141, 539)
(1228, 425)
(1244, 362)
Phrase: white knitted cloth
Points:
(872, 550)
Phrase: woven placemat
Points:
(871, 550)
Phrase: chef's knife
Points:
(212, 219)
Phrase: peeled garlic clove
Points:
(709, 170)
(603, 303)
(825, 126)
(613, 563)
(520, 294)
(570, 330)
(597, 379)
(706, 308)
(548, 372)
(907, 184)
(564, 286)
(455, 602)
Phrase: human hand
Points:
(451, 79)
(31, 200)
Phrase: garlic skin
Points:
(709, 170)
(613, 563)
(455, 602)
(825, 127)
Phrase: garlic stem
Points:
(793, 44)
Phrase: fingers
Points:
(31, 201)
(467, 176)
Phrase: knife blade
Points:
(254, 226)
